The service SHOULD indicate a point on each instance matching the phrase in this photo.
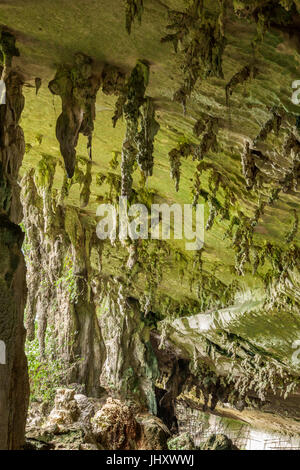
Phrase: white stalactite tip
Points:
(2, 92)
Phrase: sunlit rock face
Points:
(245, 434)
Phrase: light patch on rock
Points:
(2, 92)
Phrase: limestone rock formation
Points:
(60, 245)
(126, 329)
(218, 442)
(67, 426)
(13, 374)
(77, 88)
(115, 426)
(118, 427)
(130, 369)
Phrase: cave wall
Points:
(130, 370)
(60, 298)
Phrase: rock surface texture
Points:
(14, 390)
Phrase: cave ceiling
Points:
(252, 122)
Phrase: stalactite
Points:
(273, 124)
(216, 181)
(114, 83)
(275, 12)
(278, 279)
(242, 240)
(86, 185)
(209, 140)
(145, 138)
(175, 155)
(196, 190)
(213, 212)
(133, 9)
(77, 86)
(59, 278)
(135, 99)
(113, 80)
(38, 84)
(249, 168)
(114, 182)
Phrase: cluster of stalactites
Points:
(249, 168)
(252, 375)
(141, 125)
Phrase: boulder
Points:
(115, 427)
(181, 442)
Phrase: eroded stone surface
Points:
(13, 374)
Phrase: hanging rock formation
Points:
(137, 324)
(77, 87)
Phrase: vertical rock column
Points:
(14, 388)
(130, 369)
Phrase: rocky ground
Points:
(77, 422)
